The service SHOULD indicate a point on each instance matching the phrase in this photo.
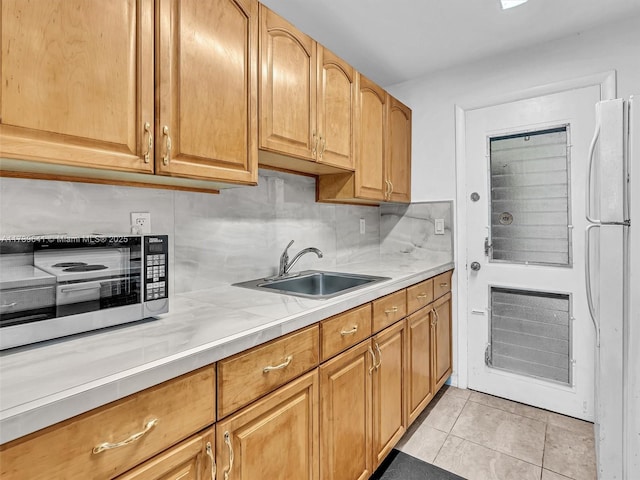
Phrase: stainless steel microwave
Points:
(58, 285)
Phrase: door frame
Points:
(607, 83)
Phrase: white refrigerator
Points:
(612, 273)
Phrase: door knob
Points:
(475, 266)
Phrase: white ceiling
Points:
(392, 41)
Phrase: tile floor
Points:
(481, 437)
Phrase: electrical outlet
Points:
(140, 223)
(439, 226)
(362, 226)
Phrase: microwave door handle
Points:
(79, 289)
(587, 279)
(591, 155)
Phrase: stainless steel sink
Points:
(313, 284)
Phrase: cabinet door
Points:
(207, 87)
(399, 157)
(418, 373)
(287, 88)
(345, 415)
(77, 82)
(370, 143)
(336, 110)
(388, 390)
(190, 460)
(274, 438)
(442, 340)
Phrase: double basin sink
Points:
(313, 284)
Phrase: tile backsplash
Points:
(237, 235)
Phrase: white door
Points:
(530, 337)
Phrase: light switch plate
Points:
(439, 224)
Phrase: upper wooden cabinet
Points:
(77, 83)
(307, 97)
(336, 97)
(206, 68)
(398, 162)
(382, 152)
(78, 86)
(372, 130)
(287, 87)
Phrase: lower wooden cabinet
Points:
(419, 379)
(389, 422)
(112, 439)
(190, 460)
(274, 438)
(345, 415)
(442, 366)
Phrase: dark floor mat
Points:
(400, 466)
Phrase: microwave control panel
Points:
(156, 267)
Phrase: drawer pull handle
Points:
(421, 296)
(444, 284)
(379, 355)
(285, 364)
(136, 436)
(373, 360)
(209, 451)
(391, 310)
(8, 305)
(349, 332)
(227, 440)
(436, 317)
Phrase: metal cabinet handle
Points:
(149, 135)
(209, 451)
(136, 436)
(373, 360)
(9, 305)
(387, 192)
(323, 145)
(436, 318)
(165, 131)
(391, 310)
(227, 440)
(287, 361)
(421, 296)
(379, 355)
(314, 149)
(349, 332)
(390, 189)
(444, 284)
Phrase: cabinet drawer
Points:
(389, 309)
(249, 375)
(345, 330)
(86, 446)
(442, 284)
(419, 295)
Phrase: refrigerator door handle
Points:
(592, 151)
(587, 279)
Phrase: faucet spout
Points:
(285, 265)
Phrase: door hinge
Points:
(487, 356)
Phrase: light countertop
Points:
(43, 384)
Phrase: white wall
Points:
(432, 99)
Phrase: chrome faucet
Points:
(285, 265)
